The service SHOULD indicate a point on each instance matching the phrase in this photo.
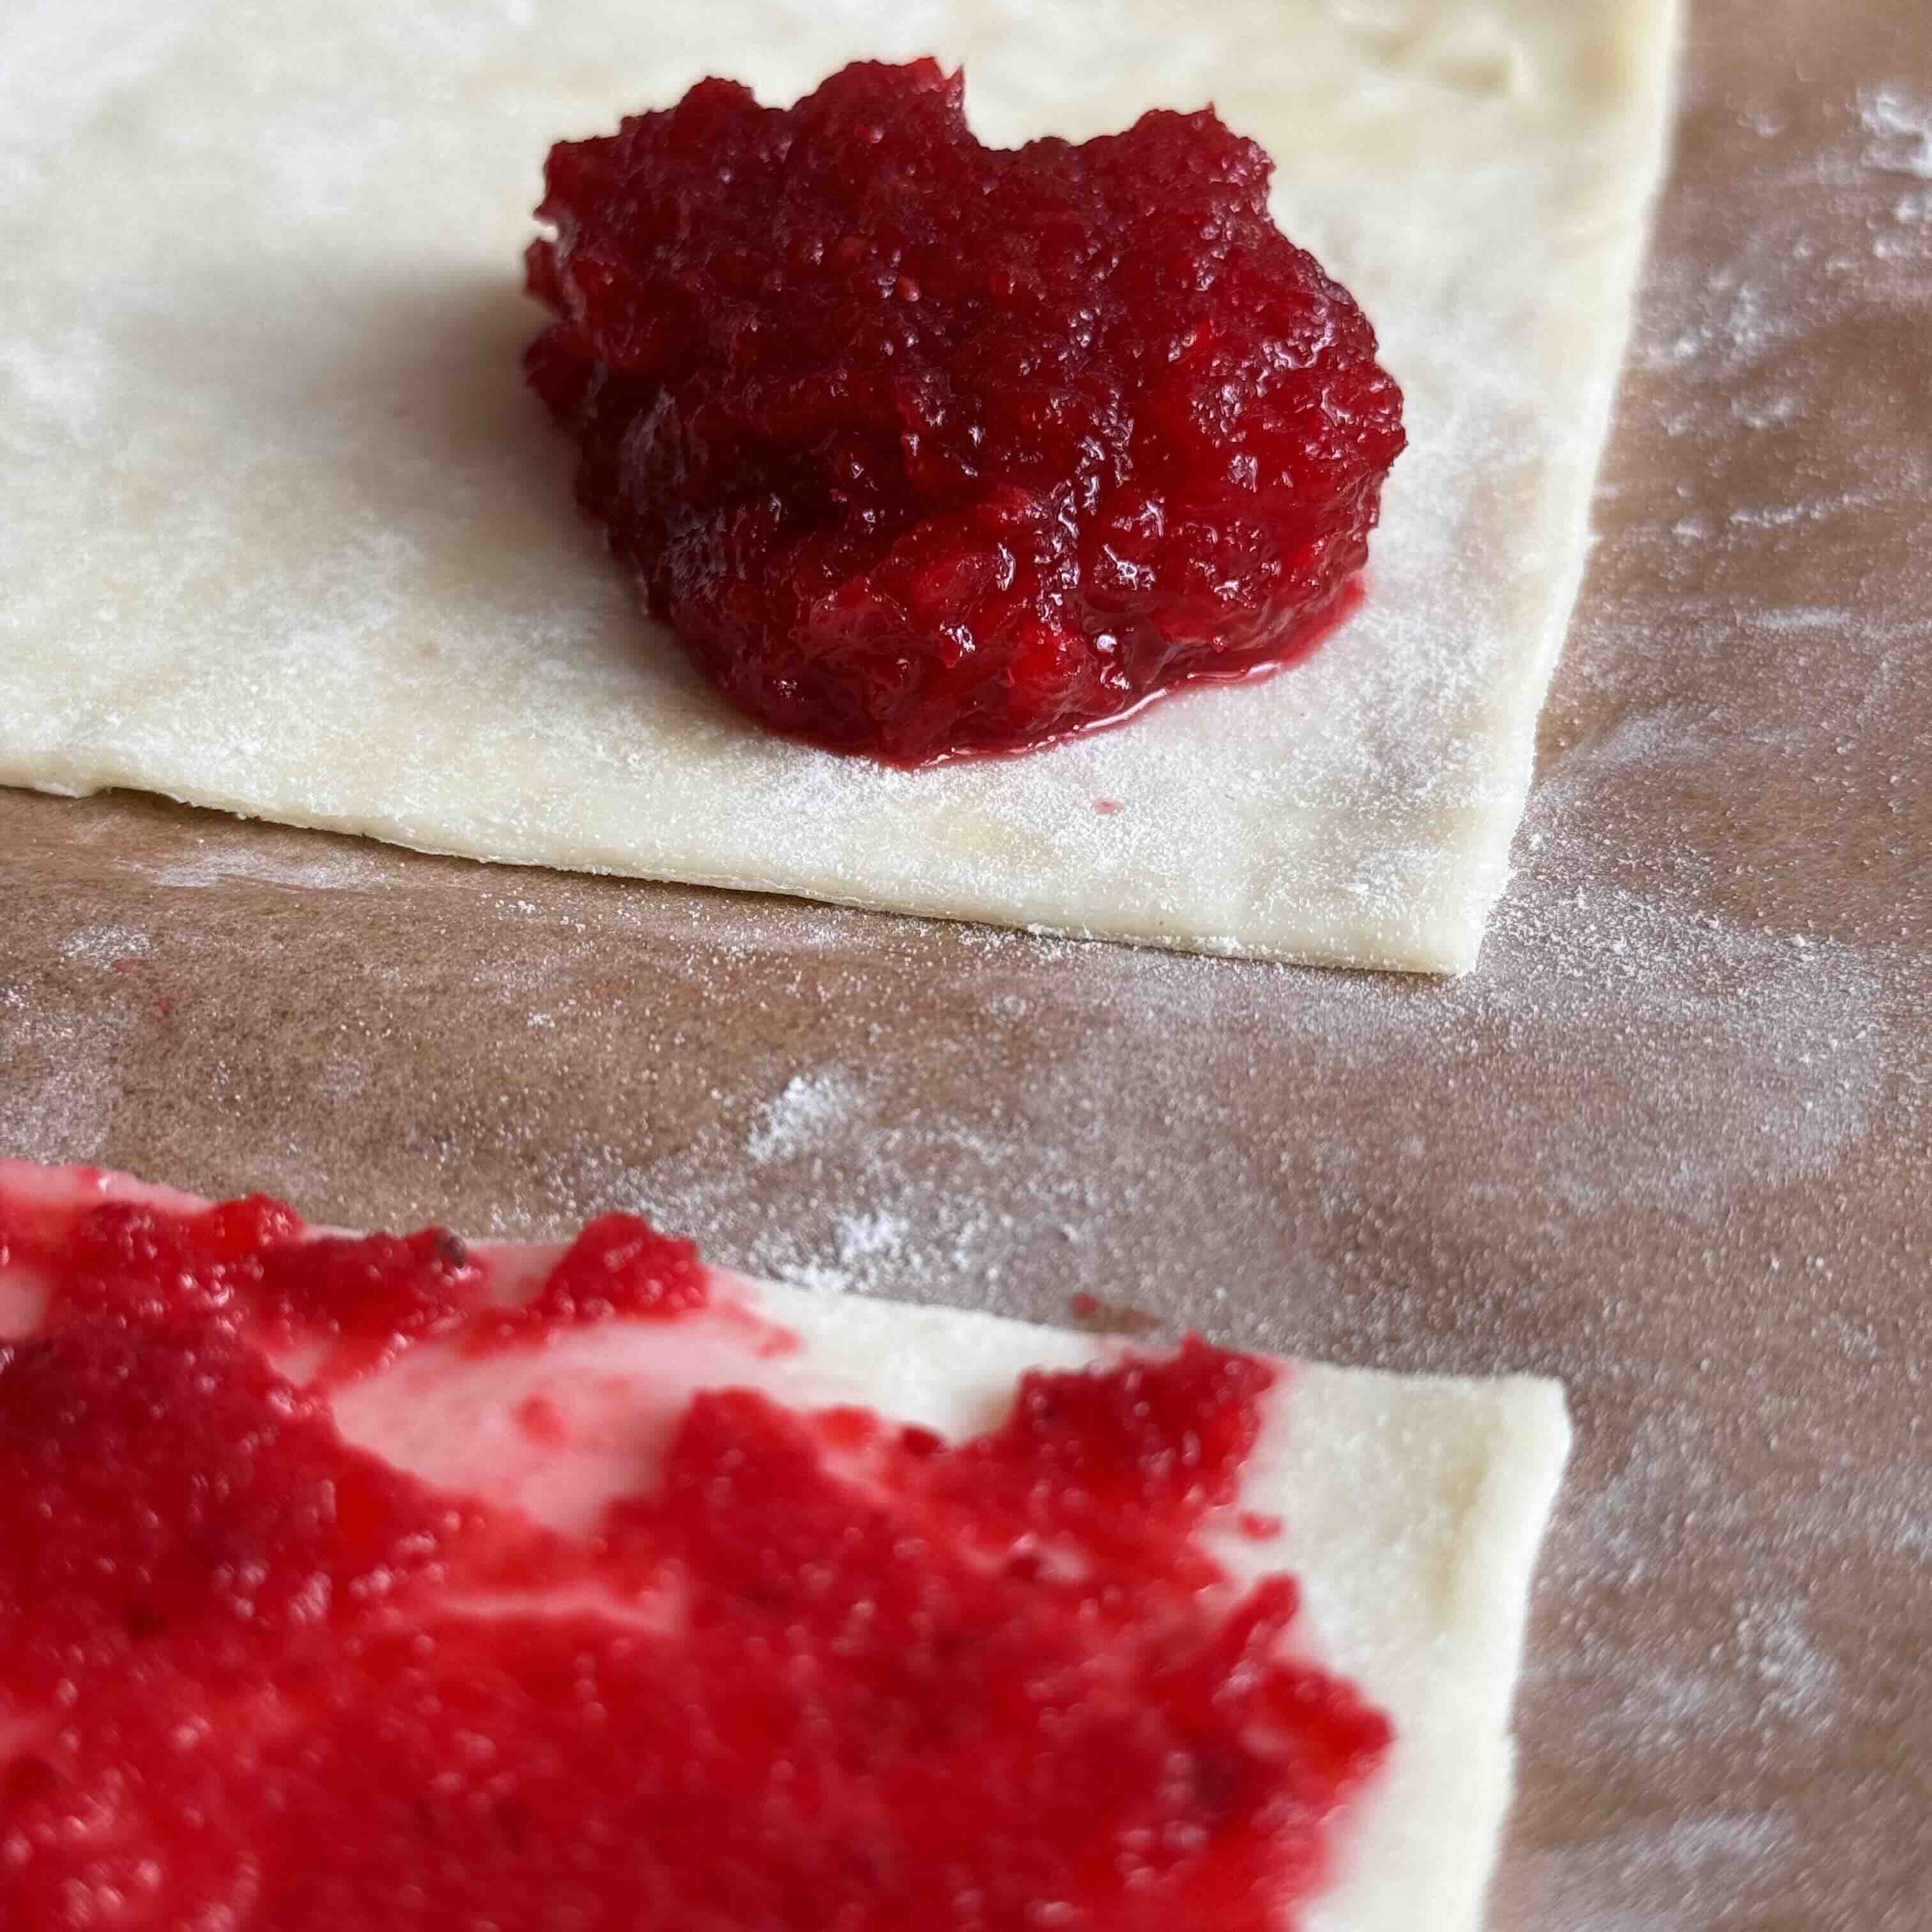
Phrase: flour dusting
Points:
(59, 1082)
(811, 1108)
(1900, 129)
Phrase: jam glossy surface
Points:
(925, 449)
(811, 1669)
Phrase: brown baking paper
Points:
(1671, 1142)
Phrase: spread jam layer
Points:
(926, 448)
(811, 1670)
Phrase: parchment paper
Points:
(1671, 1142)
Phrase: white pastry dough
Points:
(281, 532)
(1411, 1509)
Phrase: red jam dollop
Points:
(816, 1672)
(925, 449)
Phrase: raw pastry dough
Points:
(1411, 1509)
(281, 532)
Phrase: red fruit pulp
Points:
(816, 1670)
(924, 448)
